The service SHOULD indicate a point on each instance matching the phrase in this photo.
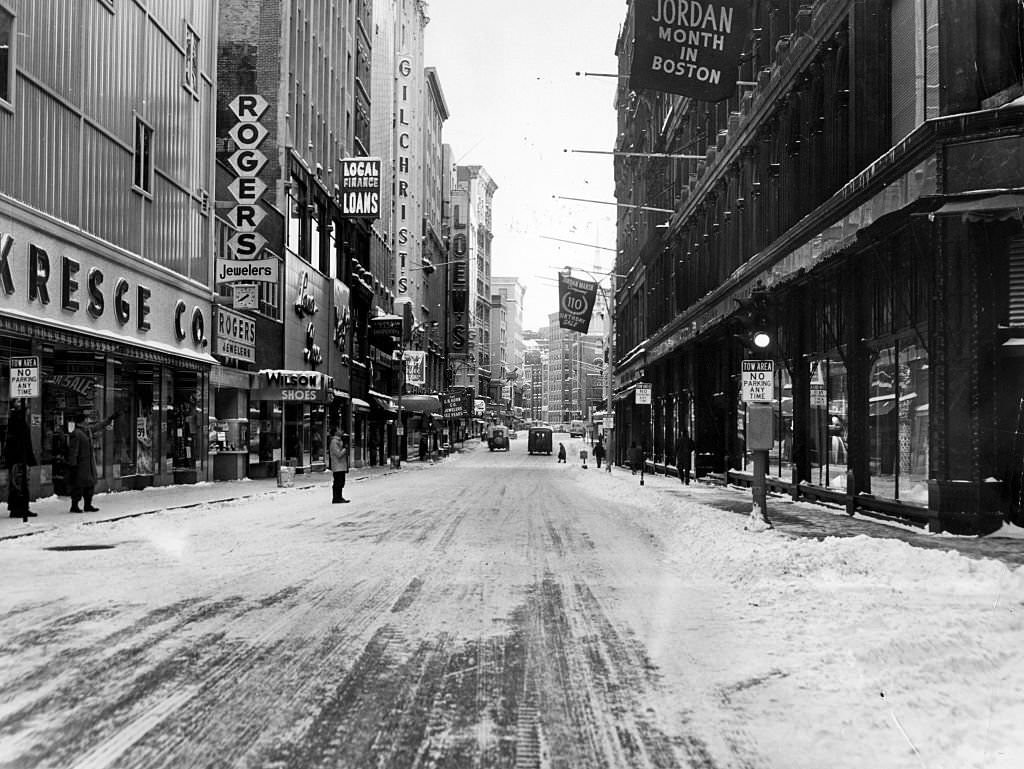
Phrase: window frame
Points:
(12, 56)
(191, 42)
(146, 189)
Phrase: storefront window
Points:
(264, 431)
(317, 427)
(136, 393)
(883, 414)
(912, 433)
(296, 434)
(73, 383)
(828, 427)
(781, 457)
(186, 407)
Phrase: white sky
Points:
(508, 72)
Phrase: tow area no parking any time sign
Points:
(758, 381)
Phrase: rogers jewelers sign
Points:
(689, 47)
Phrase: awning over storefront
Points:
(422, 404)
(383, 402)
(341, 394)
(360, 405)
(1007, 205)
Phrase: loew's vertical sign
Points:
(689, 47)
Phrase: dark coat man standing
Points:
(18, 457)
(82, 463)
(338, 449)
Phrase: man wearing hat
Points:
(338, 450)
(81, 462)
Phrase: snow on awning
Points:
(987, 208)
(383, 402)
(423, 404)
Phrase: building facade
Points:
(293, 109)
(106, 225)
(472, 202)
(862, 186)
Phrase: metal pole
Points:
(399, 431)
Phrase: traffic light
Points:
(755, 322)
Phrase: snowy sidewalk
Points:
(817, 521)
(52, 512)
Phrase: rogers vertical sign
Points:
(688, 47)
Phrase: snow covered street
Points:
(501, 610)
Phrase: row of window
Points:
(142, 177)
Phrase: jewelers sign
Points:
(236, 336)
(689, 47)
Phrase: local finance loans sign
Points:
(575, 302)
(689, 47)
(758, 381)
(360, 188)
(25, 377)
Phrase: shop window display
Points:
(296, 434)
(898, 411)
(828, 423)
(780, 460)
(264, 432)
(136, 392)
(185, 408)
(73, 383)
(317, 428)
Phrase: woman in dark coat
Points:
(18, 457)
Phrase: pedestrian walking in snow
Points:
(561, 452)
(683, 458)
(82, 460)
(599, 453)
(18, 457)
(338, 449)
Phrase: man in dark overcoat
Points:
(82, 463)
(18, 457)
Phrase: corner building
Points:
(105, 231)
(866, 175)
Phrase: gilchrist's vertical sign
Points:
(575, 302)
(689, 47)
